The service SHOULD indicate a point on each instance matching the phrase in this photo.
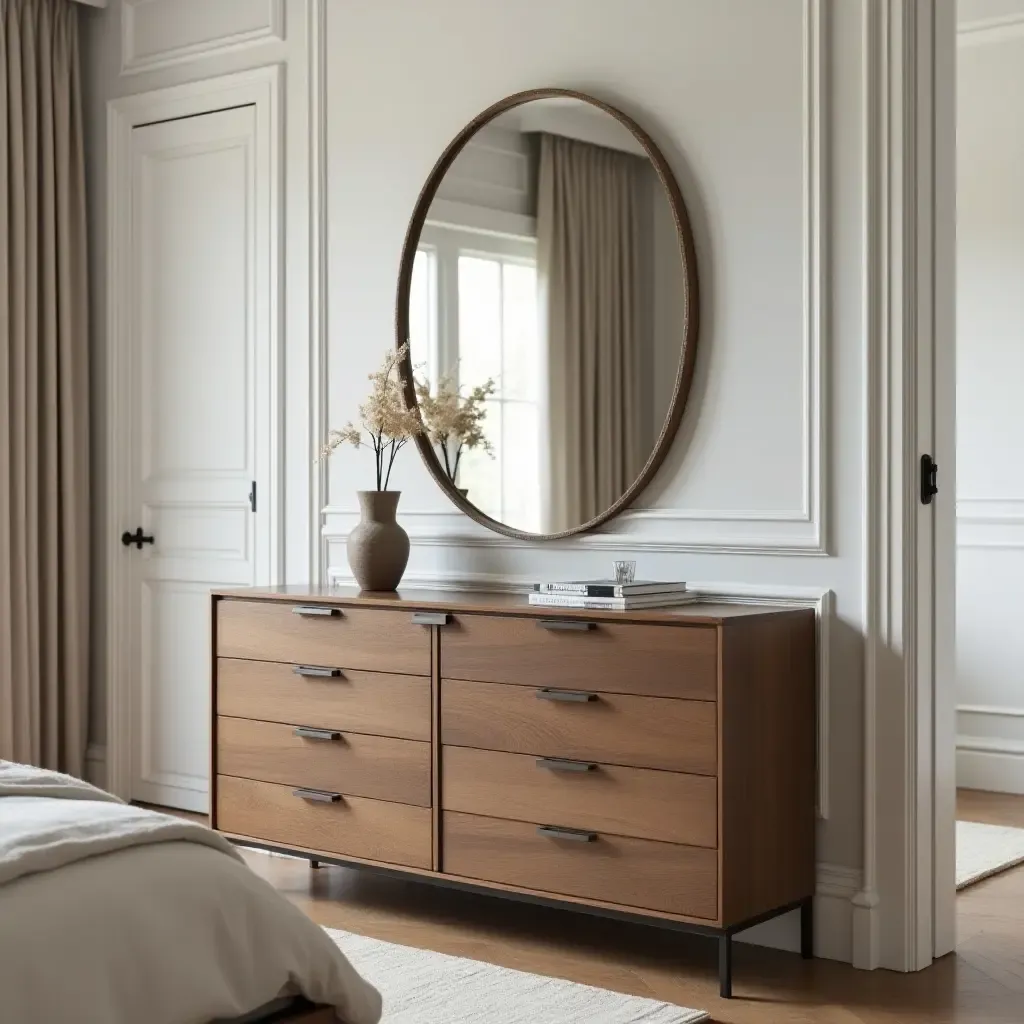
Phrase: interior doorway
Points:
(989, 632)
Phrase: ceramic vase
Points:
(378, 548)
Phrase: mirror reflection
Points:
(546, 315)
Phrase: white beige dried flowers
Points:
(454, 423)
(388, 422)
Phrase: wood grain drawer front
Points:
(666, 806)
(372, 766)
(350, 826)
(646, 732)
(375, 703)
(613, 869)
(659, 661)
(367, 638)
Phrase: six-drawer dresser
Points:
(657, 763)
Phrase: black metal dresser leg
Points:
(725, 966)
(807, 929)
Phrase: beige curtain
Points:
(588, 263)
(44, 387)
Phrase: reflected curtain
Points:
(588, 263)
(44, 389)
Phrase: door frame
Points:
(904, 914)
(260, 88)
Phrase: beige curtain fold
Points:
(44, 389)
(588, 263)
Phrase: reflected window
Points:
(473, 313)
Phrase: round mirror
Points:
(548, 296)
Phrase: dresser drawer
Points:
(368, 638)
(666, 806)
(367, 702)
(630, 872)
(352, 826)
(646, 732)
(656, 660)
(372, 766)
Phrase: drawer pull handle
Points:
(317, 671)
(565, 696)
(431, 618)
(320, 795)
(576, 835)
(567, 625)
(562, 764)
(309, 733)
(310, 610)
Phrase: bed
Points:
(112, 913)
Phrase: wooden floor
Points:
(982, 983)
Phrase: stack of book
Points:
(609, 594)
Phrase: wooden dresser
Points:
(658, 764)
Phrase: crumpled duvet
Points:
(111, 913)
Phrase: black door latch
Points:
(138, 537)
(929, 479)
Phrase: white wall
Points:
(763, 120)
(990, 411)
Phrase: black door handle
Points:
(138, 537)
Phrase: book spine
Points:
(574, 601)
(560, 588)
(604, 590)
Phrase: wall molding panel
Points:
(990, 30)
(148, 42)
(316, 55)
(993, 523)
(669, 532)
(787, 532)
(990, 710)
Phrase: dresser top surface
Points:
(498, 603)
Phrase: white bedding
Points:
(110, 914)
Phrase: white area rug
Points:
(984, 850)
(423, 987)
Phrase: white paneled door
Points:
(201, 423)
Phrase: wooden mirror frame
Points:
(691, 310)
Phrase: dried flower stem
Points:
(454, 423)
(388, 422)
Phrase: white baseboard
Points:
(833, 918)
(180, 790)
(96, 765)
(995, 765)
